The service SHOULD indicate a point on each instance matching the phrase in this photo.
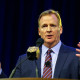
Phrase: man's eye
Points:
(44, 26)
(52, 25)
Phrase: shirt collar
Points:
(56, 48)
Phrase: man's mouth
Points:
(49, 36)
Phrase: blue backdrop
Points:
(19, 26)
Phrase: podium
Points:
(33, 79)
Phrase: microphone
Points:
(39, 42)
(33, 52)
(48, 64)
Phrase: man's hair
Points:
(50, 12)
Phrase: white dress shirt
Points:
(54, 56)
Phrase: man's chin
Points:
(50, 41)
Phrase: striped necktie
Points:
(47, 70)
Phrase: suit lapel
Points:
(60, 61)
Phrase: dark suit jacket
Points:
(67, 65)
(2, 75)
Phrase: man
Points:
(56, 59)
(2, 75)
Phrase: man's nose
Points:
(48, 28)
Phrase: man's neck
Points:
(50, 45)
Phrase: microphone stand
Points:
(14, 70)
(36, 69)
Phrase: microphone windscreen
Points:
(39, 42)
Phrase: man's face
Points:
(49, 29)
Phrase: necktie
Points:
(47, 71)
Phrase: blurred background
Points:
(19, 26)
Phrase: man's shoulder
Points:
(23, 56)
(68, 48)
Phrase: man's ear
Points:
(61, 30)
(39, 31)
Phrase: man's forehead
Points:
(49, 16)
